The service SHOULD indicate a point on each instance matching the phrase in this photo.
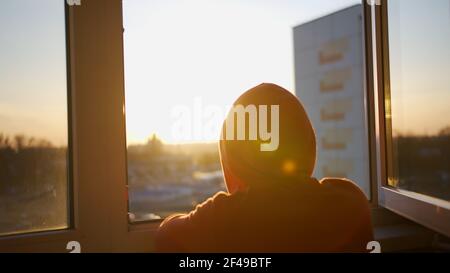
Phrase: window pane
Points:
(185, 64)
(33, 116)
(419, 49)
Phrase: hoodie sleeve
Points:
(182, 232)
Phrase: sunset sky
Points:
(33, 93)
(180, 53)
(186, 53)
(420, 65)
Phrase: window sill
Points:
(397, 234)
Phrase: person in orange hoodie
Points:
(273, 204)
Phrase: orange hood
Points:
(244, 163)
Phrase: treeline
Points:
(202, 155)
(423, 154)
(29, 164)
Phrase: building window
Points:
(33, 117)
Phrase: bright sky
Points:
(33, 93)
(190, 53)
(203, 52)
(420, 65)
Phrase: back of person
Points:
(331, 216)
(273, 203)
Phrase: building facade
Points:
(329, 80)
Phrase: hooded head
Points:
(278, 146)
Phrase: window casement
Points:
(422, 208)
(98, 218)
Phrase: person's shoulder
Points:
(217, 199)
(211, 206)
(344, 186)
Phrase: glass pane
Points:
(419, 49)
(33, 116)
(185, 64)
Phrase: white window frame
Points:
(428, 211)
(99, 203)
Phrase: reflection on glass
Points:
(419, 49)
(183, 61)
(33, 116)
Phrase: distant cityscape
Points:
(165, 179)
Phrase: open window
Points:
(411, 64)
(63, 166)
(185, 64)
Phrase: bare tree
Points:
(445, 131)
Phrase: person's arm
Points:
(168, 237)
(183, 232)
